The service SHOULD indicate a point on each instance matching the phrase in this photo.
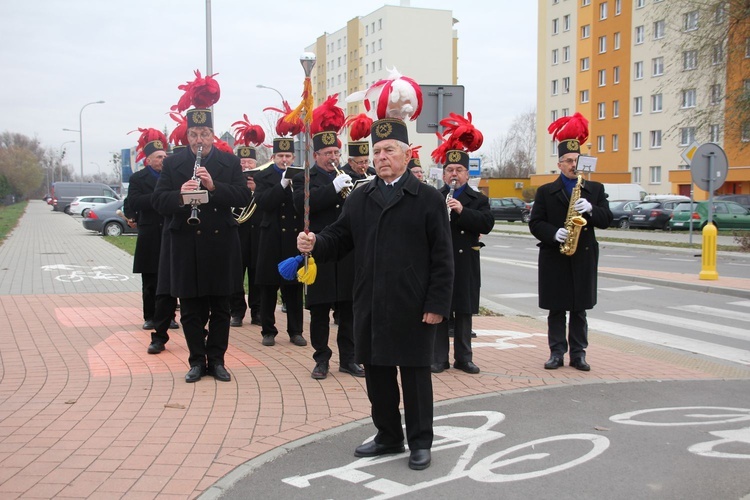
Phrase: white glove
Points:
(561, 235)
(284, 181)
(342, 181)
(583, 206)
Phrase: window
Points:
(584, 3)
(655, 139)
(616, 74)
(616, 37)
(566, 22)
(602, 110)
(555, 56)
(654, 175)
(690, 21)
(687, 136)
(566, 53)
(639, 4)
(602, 44)
(637, 105)
(640, 34)
(636, 140)
(717, 54)
(713, 133)
(585, 31)
(555, 87)
(618, 7)
(602, 11)
(565, 111)
(566, 85)
(602, 77)
(715, 94)
(638, 70)
(657, 66)
(584, 96)
(380, 44)
(656, 103)
(615, 142)
(747, 47)
(585, 64)
(746, 132)
(637, 175)
(688, 98)
(720, 13)
(367, 29)
(555, 26)
(659, 29)
(689, 60)
(554, 116)
(615, 109)
(600, 146)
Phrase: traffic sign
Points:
(475, 167)
(709, 167)
(688, 153)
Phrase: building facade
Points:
(653, 77)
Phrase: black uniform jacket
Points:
(138, 206)
(203, 259)
(475, 219)
(403, 268)
(567, 283)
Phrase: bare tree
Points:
(513, 154)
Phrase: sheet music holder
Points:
(198, 197)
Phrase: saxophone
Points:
(573, 222)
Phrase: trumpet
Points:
(345, 191)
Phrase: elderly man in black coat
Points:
(470, 217)
(567, 283)
(204, 259)
(398, 230)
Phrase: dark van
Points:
(64, 192)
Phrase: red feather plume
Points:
(328, 116)
(460, 134)
(359, 126)
(222, 145)
(284, 128)
(415, 151)
(246, 133)
(200, 93)
(178, 137)
(570, 127)
(148, 135)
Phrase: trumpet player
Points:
(358, 163)
(203, 261)
(567, 283)
(333, 285)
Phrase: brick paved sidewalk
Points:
(86, 413)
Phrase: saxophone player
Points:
(568, 283)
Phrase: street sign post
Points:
(438, 101)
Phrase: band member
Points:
(567, 281)
(279, 224)
(415, 165)
(358, 164)
(204, 248)
(158, 310)
(470, 217)
(333, 285)
(398, 230)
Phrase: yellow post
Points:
(708, 261)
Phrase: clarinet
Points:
(193, 220)
(450, 195)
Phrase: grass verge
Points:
(126, 243)
(9, 216)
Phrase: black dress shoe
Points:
(148, 325)
(219, 373)
(553, 363)
(268, 340)
(320, 371)
(235, 321)
(255, 320)
(466, 366)
(352, 369)
(580, 364)
(373, 449)
(173, 325)
(440, 367)
(155, 348)
(195, 374)
(420, 459)
(298, 340)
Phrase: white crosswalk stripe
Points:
(630, 288)
(743, 303)
(712, 311)
(515, 295)
(690, 324)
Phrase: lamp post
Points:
(62, 154)
(80, 130)
(260, 86)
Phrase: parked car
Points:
(621, 210)
(653, 214)
(742, 199)
(81, 205)
(727, 215)
(63, 193)
(105, 220)
(510, 209)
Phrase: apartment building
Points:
(420, 43)
(653, 77)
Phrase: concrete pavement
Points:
(86, 413)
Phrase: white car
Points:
(82, 205)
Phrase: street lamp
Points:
(80, 130)
(260, 86)
(62, 154)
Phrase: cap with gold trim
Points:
(326, 122)
(571, 131)
(150, 140)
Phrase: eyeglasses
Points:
(202, 135)
(361, 163)
(458, 170)
(331, 153)
(568, 161)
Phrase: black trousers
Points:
(461, 340)
(148, 294)
(292, 295)
(207, 347)
(320, 321)
(578, 333)
(237, 303)
(382, 390)
(163, 316)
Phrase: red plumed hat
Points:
(396, 96)
(149, 135)
(284, 128)
(178, 137)
(328, 117)
(460, 135)
(203, 92)
(246, 133)
(359, 126)
(570, 131)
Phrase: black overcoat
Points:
(567, 283)
(203, 259)
(139, 206)
(403, 268)
(475, 219)
(279, 225)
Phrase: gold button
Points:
(214, 210)
(198, 231)
(461, 251)
(462, 232)
(283, 216)
(283, 230)
(216, 231)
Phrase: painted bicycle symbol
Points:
(546, 453)
(75, 276)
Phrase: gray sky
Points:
(58, 55)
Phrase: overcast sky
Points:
(58, 55)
